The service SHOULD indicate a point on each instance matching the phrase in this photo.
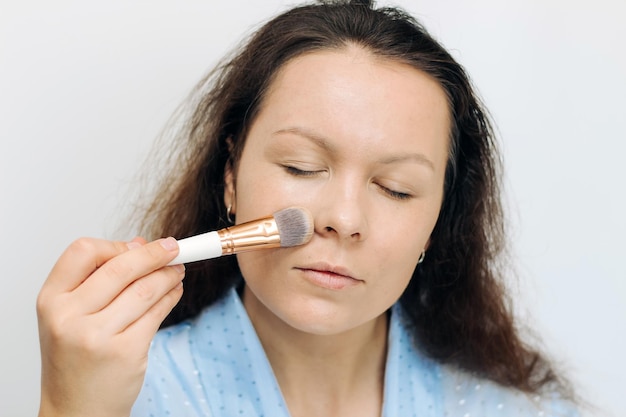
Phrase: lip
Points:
(328, 276)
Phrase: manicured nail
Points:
(133, 245)
(169, 244)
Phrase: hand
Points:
(98, 310)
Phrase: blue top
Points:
(214, 365)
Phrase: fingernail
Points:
(179, 286)
(169, 244)
(132, 245)
(180, 268)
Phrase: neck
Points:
(324, 374)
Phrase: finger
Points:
(138, 298)
(139, 240)
(108, 281)
(146, 326)
(81, 258)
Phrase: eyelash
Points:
(297, 172)
(397, 195)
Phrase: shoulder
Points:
(468, 394)
(172, 377)
(209, 366)
(172, 348)
(448, 390)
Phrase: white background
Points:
(86, 87)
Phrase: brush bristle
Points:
(295, 225)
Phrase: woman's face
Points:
(362, 142)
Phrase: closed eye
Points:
(397, 195)
(297, 172)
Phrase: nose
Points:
(342, 212)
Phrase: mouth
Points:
(328, 276)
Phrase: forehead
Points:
(352, 75)
(351, 93)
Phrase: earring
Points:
(228, 213)
(422, 256)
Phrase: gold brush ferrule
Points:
(262, 233)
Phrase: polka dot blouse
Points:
(214, 365)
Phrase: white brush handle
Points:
(197, 248)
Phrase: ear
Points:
(229, 184)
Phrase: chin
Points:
(321, 317)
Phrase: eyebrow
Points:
(415, 157)
(324, 144)
(318, 140)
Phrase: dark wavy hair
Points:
(455, 300)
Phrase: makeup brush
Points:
(285, 228)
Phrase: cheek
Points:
(264, 191)
(254, 195)
(396, 265)
(398, 246)
(410, 230)
(259, 269)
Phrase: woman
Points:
(394, 307)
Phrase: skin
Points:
(98, 310)
(371, 135)
(362, 142)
